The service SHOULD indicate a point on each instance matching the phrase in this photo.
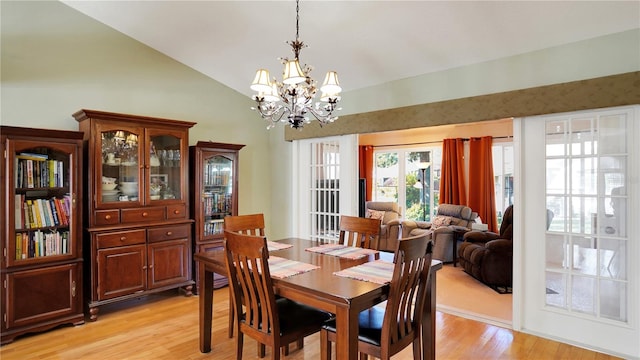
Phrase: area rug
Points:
(458, 293)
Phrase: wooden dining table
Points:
(320, 288)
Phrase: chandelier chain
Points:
(297, 19)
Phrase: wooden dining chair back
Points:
(386, 330)
(359, 232)
(252, 224)
(274, 322)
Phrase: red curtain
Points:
(452, 189)
(366, 168)
(482, 197)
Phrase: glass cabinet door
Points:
(119, 166)
(217, 196)
(43, 198)
(166, 154)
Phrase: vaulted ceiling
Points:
(366, 42)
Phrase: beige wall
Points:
(55, 61)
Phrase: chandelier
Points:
(292, 100)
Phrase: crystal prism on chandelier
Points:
(292, 100)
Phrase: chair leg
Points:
(231, 314)
(325, 345)
(300, 343)
(239, 345)
(261, 350)
(417, 348)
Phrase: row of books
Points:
(37, 170)
(216, 203)
(213, 227)
(39, 213)
(38, 243)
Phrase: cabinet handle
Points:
(144, 214)
(107, 217)
(144, 267)
(123, 238)
(73, 289)
(169, 233)
(150, 266)
(176, 212)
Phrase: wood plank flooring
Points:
(165, 326)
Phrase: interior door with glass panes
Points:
(581, 178)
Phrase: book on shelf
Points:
(61, 215)
(18, 212)
(54, 211)
(32, 156)
(42, 220)
(29, 171)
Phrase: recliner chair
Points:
(488, 256)
(443, 228)
(389, 213)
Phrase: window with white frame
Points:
(409, 177)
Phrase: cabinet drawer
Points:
(169, 232)
(142, 214)
(178, 211)
(107, 217)
(120, 238)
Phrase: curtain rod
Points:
(439, 141)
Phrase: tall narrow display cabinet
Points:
(137, 225)
(214, 172)
(41, 230)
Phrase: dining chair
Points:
(386, 329)
(359, 232)
(270, 321)
(252, 224)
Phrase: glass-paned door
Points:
(43, 196)
(410, 177)
(326, 183)
(165, 167)
(581, 173)
(217, 194)
(503, 177)
(119, 165)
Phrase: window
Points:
(503, 176)
(399, 176)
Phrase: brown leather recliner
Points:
(488, 256)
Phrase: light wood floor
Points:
(165, 326)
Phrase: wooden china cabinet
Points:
(137, 225)
(41, 211)
(214, 176)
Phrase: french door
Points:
(326, 183)
(579, 249)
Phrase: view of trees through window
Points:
(399, 174)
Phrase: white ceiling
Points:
(366, 42)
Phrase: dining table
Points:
(321, 288)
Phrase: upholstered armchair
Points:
(444, 228)
(488, 256)
(389, 213)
